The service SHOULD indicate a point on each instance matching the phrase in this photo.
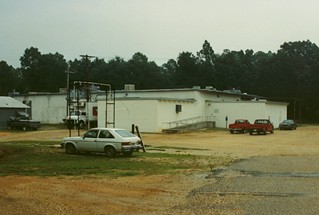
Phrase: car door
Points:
(89, 141)
(269, 126)
(105, 138)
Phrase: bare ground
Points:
(157, 194)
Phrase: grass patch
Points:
(31, 142)
(39, 159)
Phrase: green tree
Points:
(207, 69)
(229, 70)
(30, 69)
(299, 61)
(299, 69)
(168, 70)
(145, 74)
(9, 78)
(261, 82)
(42, 72)
(53, 75)
(186, 74)
(119, 73)
(99, 71)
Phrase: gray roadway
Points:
(261, 185)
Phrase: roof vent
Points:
(210, 88)
(129, 87)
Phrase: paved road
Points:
(260, 185)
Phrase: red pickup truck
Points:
(240, 125)
(261, 126)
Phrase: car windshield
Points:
(124, 133)
(288, 121)
(240, 121)
(261, 122)
(77, 113)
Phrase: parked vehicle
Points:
(240, 125)
(110, 141)
(261, 126)
(288, 124)
(22, 121)
(77, 118)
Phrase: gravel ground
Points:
(275, 174)
(266, 185)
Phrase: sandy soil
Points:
(158, 194)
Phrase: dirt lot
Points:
(159, 194)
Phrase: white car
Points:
(110, 141)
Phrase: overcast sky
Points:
(160, 29)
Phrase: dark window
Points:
(178, 108)
(105, 134)
(91, 134)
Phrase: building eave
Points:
(250, 102)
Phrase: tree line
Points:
(289, 75)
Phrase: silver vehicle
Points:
(110, 141)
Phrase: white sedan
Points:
(110, 141)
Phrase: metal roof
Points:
(8, 102)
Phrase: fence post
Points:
(139, 135)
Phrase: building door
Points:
(209, 111)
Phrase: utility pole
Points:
(68, 97)
(87, 86)
(68, 72)
(87, 57)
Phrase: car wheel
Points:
(80, 124)
(110, 152)
(231, 131)
(128, 153)
(70, 149)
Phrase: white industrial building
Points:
(48, 108)
(155, 110)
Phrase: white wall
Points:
(167, 112)
(47, 108)
(276, 113)
(236, 110)
(250, 110)
(143, 113)
(151, 115)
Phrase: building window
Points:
(178, 108)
